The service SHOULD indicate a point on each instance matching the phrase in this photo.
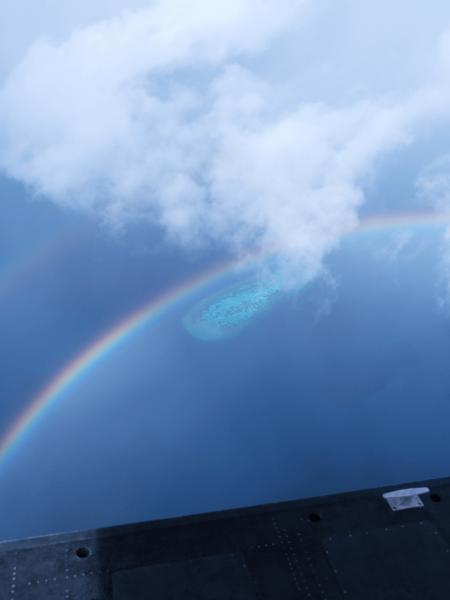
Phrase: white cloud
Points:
(23, 23)
(159, 115)
(433, 184)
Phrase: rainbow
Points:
(87, 359)
(402, 220)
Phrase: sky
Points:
(224, 254)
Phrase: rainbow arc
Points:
(120, 333)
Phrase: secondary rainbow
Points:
(84, 362)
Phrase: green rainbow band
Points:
(88, 358)
(121, 332)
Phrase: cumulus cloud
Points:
(159, 116)
(49, 18)
(433, 184)
(433, 181)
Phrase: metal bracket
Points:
(404, 499)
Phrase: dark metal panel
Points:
(212, 578)
(392, 563)
(373, 553)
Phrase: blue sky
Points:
(142, 144)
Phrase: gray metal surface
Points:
(349, 546)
